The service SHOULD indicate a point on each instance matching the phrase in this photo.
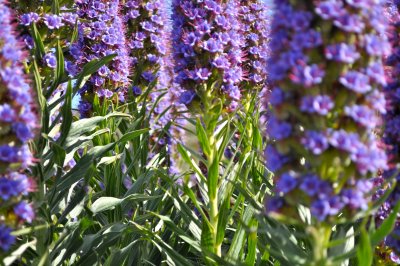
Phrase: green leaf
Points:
(213, 178)
(386, 227)
(202, 138)
(66, 114)
(108, 203)
(55, 8)
(238, 241)
(97, 245)
(58, 155)
(215, 111)
(207, 239)
(60, 70)
(173, 227)
(38, 86)
(40, 51)
(80, 169)
(132, 135)
(252, 243)
(91, 68)
(364, 250)
(187, 158)
(223, 216)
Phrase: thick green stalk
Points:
(321, 235)
(212, 159)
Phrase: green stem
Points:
(212, 169)
(321, 236)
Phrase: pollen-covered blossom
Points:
(17, 127)
(101, 33)
(206, 44)
(255, 27)
(326, 105)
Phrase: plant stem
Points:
(213, 170)
(321, 236)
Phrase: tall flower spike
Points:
(325, 105)
(149, 37)
(101, 33)
(148, 40)
(207, 49)
(389, 251)
(255, 27)
(17, 126)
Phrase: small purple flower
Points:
(28, 18)
(187, 97)
(376, 46)
(344, 141)
(320, 209)
(310, 185)
(349, 23)
(286, 183)
(6, 239)
(7, 113)
(314, 141)
(362, 115)
(356, 81)
(320, 104)
(51, 60)
(277, 97)
(53, 21)
(274, 204)
(24, 211)
(376, 72)
(342, 53)
(212, 45)
(203, 73)
(307, 75)
(354, 199)
(329, 9)
(279, 130)
(136, 90)
(69, 18)
(274, 159)
(221, 62)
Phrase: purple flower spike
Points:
(256, 23)
(207, 43)
(327, 105)
(18, 123)
(391, 120)
(100, 33)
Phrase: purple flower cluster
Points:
(51, 21)
(101, 33)
(391, 135)
(148, 37)
(17, 125)
(207, 50)
(255, 27)
(326, 104)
